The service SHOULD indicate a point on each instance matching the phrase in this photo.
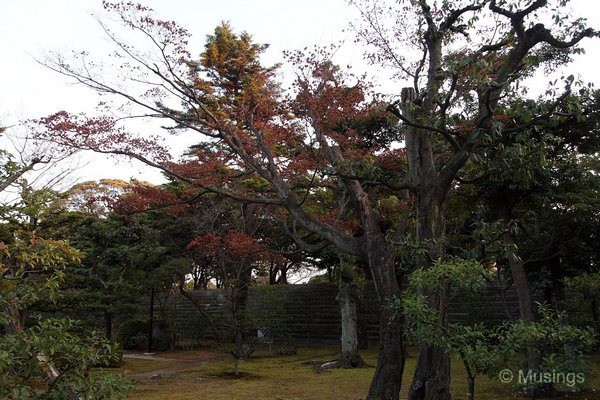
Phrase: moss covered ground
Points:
(206, 374)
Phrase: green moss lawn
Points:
(206, 374)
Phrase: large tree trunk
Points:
(432, 374)
(349, 357)
(387, 379)
(431, 380)
(517, 269)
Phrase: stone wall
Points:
(310, 312)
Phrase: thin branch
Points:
(451, 140)
(456, 14)
(307, 247)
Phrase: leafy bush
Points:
(489, 350)
(133, 334)
(559, 345)
(585, 304)
(58, 345)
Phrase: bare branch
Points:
(456, 14)
(451, 140)
(307, 247)
(16, 175)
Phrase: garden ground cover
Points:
(207, 374)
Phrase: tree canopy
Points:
(330, 162)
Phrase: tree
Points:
(336, 140)
(473, 343)
(213, 239)
(47, 358)
(528, 195)
(232, 99)
(454, 109)
(483, 349)
(11, 171)
(349, 293)
(232, 254)
(122, 258)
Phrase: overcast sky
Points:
(28, 28)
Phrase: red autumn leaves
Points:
(234, 243)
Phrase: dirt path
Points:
(178, 365)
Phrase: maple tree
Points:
(324, 154)
(232, 255)
(259, 154)
(215, 240)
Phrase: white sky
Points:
(30, 27)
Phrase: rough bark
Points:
(431, 380)
(381, 260)
(349, 357)
(387, 379)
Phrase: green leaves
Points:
(490, 349)
(45, 358)
(460, 274)
(558, 344)
(587, 283)
(473, 343)
(25, 358)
